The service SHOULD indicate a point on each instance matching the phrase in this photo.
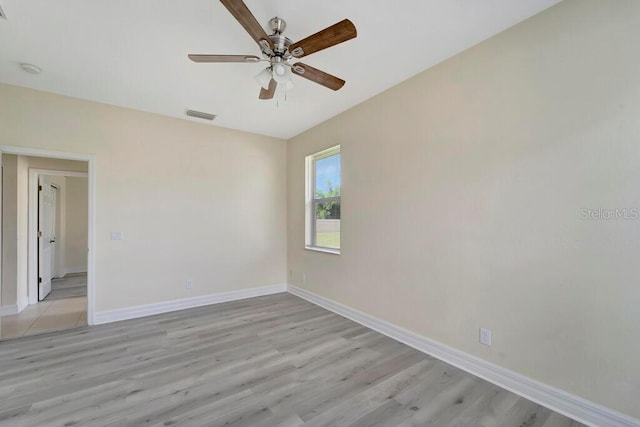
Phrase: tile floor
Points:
(46, 316)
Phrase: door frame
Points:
(91, 220)
(32, 274)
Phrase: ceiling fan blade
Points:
(224, 58)
(243, 15)
(331, 36)
(268, 93)
(317, 76)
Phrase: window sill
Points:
(325, 250)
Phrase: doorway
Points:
(58, 233)
(47, 262)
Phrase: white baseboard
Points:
(13, 309)
(70, 270)
(558, 400)
(23, 303)
(108, 316)
(9, 310)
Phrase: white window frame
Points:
(311, 201)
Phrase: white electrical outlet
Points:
(188, 284)
(304, 277)
(290, 274)
(485, 336)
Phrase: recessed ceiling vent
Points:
(200, 115)
(2, 14)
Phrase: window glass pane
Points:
(327, 177)
(327, 224)
(328, 210)
(322, 212)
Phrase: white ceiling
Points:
(134, 53)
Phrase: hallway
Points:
(70, 286)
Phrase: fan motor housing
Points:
(280, 42)
(280, 45)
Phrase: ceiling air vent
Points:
(200, 115)
(2, 14)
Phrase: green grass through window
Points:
(328, 240)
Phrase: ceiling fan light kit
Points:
(279, 51)
(279, 72)
(264, 77)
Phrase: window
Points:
(323, 200)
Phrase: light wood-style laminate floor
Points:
(72, 285)
(267, 361)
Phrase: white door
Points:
(56, 233)
(46, 237)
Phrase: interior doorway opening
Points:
(58, 229)
(47, 235)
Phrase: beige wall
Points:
(76, 205)
(462, 195)
(167, 184)
(55, 164)
(9, 229)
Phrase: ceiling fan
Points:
(280, 52)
